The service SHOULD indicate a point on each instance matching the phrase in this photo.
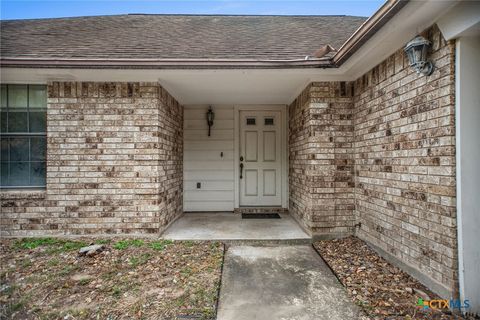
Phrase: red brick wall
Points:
(405, 162)
(114, 163)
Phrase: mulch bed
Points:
(381, 289)
(45, 278)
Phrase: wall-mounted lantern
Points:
(210, 117)
(417, 50)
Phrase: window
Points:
(23, 112)
(250, 121)
(269, 122)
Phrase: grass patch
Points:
(189, 243)
(138, 261)
(53, 245)
(25, 263)
(187, 271)
(116, 292)
(53, 262)
(16, 306)
(68, 269)
(84, 282)
(199, 314)
(160, 245)
(73, 245)
(179, 302)
(32, 243)
(124, 244)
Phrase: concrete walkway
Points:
(231, 226)
(281, 282)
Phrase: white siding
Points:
(203, 162)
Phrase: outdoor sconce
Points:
(210, 117)
(416, 51)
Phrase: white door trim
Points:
(284, 152)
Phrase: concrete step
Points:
(268, 242)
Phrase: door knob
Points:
(241, 170)
(241, 158)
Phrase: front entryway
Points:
(228, 226)
(211, 163)
(260, 161)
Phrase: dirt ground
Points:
(130, 279)
(381, 289)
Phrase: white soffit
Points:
(242, 86)
(462, 21)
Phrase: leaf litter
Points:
(46, 278)
(382, 290)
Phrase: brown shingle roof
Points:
(175, 36)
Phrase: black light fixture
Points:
(210, 117)
(417, 50)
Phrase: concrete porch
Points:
(228, 226)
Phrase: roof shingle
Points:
(175, 36)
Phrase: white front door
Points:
(260, 158)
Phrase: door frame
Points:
(284, 148)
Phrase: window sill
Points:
(11, 194)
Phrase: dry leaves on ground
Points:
(44, 278)
(381, 289)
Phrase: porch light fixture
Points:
(416, 51)
(210, 117)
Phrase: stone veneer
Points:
(321, 159)
(397, 129)
(114, 163)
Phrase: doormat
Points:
(261, 216)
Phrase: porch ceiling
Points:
(237, 86)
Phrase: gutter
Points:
(367, 30)
(308, 62)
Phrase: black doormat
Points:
(260, 216)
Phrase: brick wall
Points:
(405, 162)
(114, 163)
(321, 159)
(397, 129)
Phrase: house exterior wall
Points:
(405, 163)
(376, 158)
(321, 184)
(114, 163)
(202, 160)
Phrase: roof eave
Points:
(367, 30)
